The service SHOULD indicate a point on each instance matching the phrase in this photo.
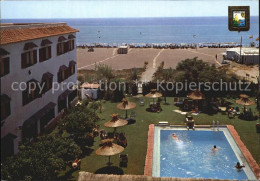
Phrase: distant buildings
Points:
(122, 50)
(249, 56)
(32, 54)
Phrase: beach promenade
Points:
(137, 56)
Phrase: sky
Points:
(30, 9)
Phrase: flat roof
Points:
(90, 86)
(245, 50)
(123, 47)
(17, 32)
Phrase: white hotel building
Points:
(44, 53)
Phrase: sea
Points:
(155, 30)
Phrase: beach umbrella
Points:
(115, 122)
(109, 149)
(107, 140)
(153, 94)
(196, 95)
(125, 105)
(245, 101)
(243, 96)
(257, 39)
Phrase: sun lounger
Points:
(175, 100)
(180, 101)
(123, 160)
(163, 123)
(141, 101)
(132, 115)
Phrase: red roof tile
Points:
(22, 34)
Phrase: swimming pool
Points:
(191, 156)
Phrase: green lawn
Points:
(137, 134)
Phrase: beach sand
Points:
(171, 57)
(137, 56)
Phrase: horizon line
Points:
(127, 17)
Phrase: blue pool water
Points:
(193, 156)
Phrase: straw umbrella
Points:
(196, 95)
(125, 105)
(245, 101)
(115, 122)
(109, 149)
(153, 94)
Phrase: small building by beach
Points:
(89, 91)
(249, 55)
(122, 50)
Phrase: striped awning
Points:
(3, 52)
(5, 98)
(29, 46)
(63, 67)
(47, 75)
(45, 42)
(64, 95)
(61, 38)
(72, 63)
(39, 114)
(71, 36)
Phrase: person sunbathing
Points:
(76, 163)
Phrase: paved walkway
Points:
(206, 55)
(147, 76)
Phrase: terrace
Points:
(136, 133)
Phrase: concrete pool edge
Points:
(149, 154)
(250, 160)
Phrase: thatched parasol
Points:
(243, 96)
(115, 122)
(245, 101)
(125, 105)
(196, 95)
(109, 149)
(107, 140)
(153, 94)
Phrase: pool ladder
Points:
(213, 125)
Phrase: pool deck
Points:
(250, 160)
(86, 176)
(149, 156)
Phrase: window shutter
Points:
(59, 77)
(44, 86)
(66, 46)
(58, 49)
(24, 94)
(49, 51)
(34, 56)
(41, 55)
(6, 66)
(37, 91)
(3, 111)
(8, 108)
(72, 44)
(23, 62)
(67, 72)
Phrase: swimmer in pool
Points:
(214, 148)
(238, 166)
(174, 136)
